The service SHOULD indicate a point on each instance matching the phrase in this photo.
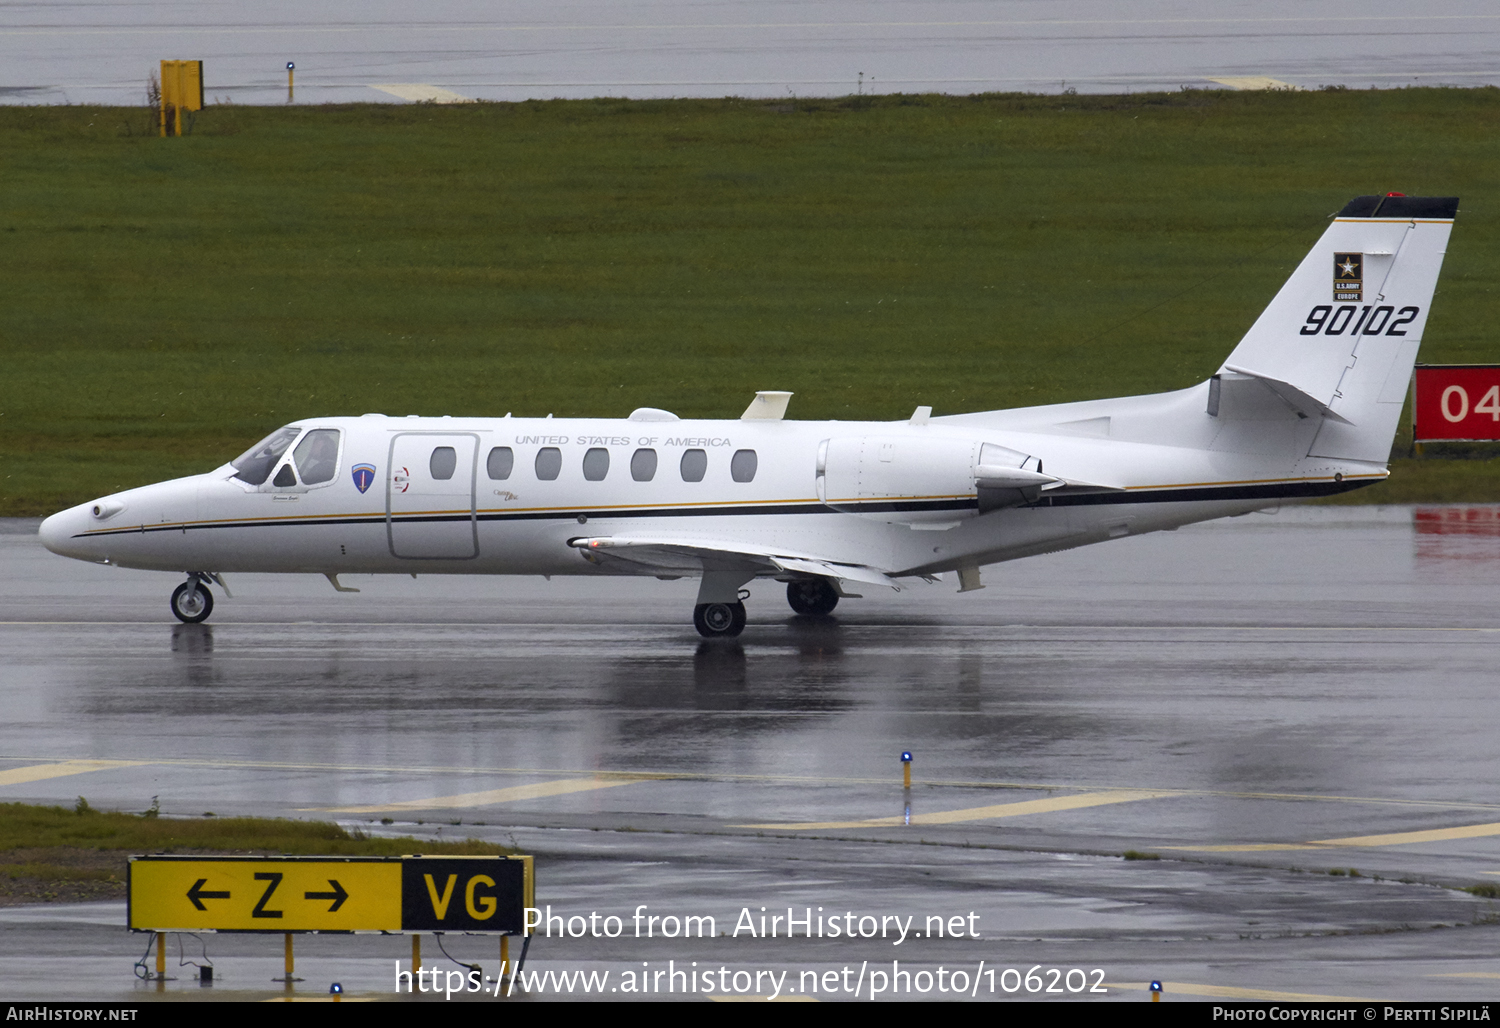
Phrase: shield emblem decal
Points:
(364, 476)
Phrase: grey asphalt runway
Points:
(101, 52)
(1255, 702)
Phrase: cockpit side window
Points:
(254, 466)
(317, 456)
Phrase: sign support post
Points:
(290, 976)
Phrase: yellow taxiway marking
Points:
(1389, 839)
(1169, 989)
(1050, 805)
(41, 772)
(1248, 847)
(720, 776)
(421, 92)
(1402, 838)
(1252, 82)
(483, 799)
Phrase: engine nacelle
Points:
(915, 480)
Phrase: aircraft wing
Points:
(693, 556)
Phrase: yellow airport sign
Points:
(181, 90)
(182, 84)
(329, 894)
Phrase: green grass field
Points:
(52, 853)
(166, 302)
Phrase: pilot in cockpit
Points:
(317, 456)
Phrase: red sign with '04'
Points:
(1457, 402)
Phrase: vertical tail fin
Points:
(1341, 337)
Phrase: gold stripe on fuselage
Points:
(605, 511)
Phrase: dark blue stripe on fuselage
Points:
(1195, 494)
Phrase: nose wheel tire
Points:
(813, 596)
(191, 603)
(719, 620)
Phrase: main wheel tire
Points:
(719, 620)
(812, 596)
(191, 603)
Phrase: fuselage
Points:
(456, 495)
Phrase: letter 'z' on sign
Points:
(1456, 403)
(479, 895)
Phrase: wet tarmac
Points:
(1255, 702)
(101, 52)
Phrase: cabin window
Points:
(500, 463)
(548, 463)
(254, 466)
(643, 465)
(742, 466)
(317, 456)
(694, 465)
(596, 464)
(285, 477)
(442, 463)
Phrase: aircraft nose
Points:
(59, 531)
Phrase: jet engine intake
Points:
(1008, 478)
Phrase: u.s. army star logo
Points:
(1348, 277)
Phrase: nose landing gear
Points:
(191, 601)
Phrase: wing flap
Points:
(842, 572)
(699, 555)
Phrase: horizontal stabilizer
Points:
(1301, 402)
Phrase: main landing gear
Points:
(812, 596)
(719, 620)
(191, 601)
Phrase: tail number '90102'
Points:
(1372, 321)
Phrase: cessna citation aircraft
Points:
(1306, 405)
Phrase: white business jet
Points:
(1306, 405)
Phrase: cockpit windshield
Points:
(255, 464)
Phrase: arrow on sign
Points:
(197, 895)
(338, 895)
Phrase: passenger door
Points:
(430, 496)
